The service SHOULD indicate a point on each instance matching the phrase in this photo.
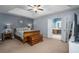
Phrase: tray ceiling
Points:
(22, 10)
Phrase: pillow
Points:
(22, 29)
(18, 29)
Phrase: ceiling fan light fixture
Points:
(36, 8)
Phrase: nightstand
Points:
(6, 36)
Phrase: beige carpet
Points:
(47, 46)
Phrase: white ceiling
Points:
(22, 9)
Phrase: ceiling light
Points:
(35, 8)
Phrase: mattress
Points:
(20, 33)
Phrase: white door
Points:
(50, 28)
(63, 29)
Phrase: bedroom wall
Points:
(41, 23)
(13, 20)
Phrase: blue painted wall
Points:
(14, 20)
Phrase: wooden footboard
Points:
(31, 37)
(34, 39)
(29, 33)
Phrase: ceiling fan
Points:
(35, 8)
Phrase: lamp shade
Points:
(8, 25)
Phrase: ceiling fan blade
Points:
(38, 5)
(41, 9)
(29, 9)
(29, 5)
(35, 5)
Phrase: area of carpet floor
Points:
(47, 46)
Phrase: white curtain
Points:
(66, 27)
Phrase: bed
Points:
(23, 34)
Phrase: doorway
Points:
(56, 30)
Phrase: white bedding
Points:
(20, 34)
